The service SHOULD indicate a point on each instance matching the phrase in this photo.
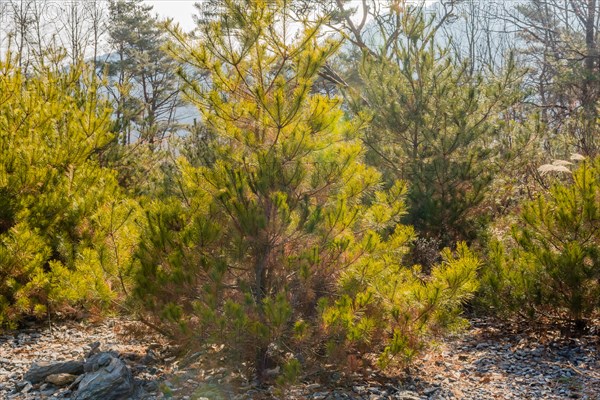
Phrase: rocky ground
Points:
(486, 362)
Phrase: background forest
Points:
(301, 181)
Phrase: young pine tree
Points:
(284, 238)
(65, 227)
(552, 266)
(434, 122)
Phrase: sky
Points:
(180, 10)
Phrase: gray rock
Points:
(75, 384)
(26, 388)
(151, 386)
(106, 378)
(99, 360)
(430, 391)
(407, 395)
(94, 349)
(359, 389)
(39, 371)
(47, 392)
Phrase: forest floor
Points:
(488, 361)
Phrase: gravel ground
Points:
(71, 341)
(488, 361)
(503, 362)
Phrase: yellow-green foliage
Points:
(551, 261)
(288, 225)
(396, 310)
(65, 230)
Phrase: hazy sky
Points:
(180, 10)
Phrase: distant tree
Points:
(560, 43)
(480, 35)
(80, 28)
(97, 13)
(18, 25)
(43, 31)
(144, 83)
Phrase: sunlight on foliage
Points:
(62, 225)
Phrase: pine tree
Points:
(434, 122)
(65, 227)
(146, 87)
(551, 265)
(284, 238)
